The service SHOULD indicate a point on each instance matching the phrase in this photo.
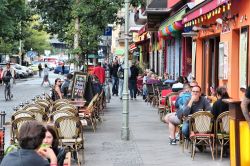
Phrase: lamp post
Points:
(125, 110)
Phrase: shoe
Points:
(172, 141)
(131, 98)
(116, 94)
(120, 98)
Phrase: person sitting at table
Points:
(195, 104)
(165, 77)
(219, 106)
(51, 140)
(56, 90)
(31, 135)
(153, 80)
(179, 85)
(174, 119)
(213, 97)
(66, 85)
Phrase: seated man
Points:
(174, 119)
(195, 104)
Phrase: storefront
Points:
(170, 32)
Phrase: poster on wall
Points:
(243, 56)
(223, 60)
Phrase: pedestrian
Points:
(115, 79)
(99, 72)
(63, 69)
(120, 75)
(132, 81)
(45, 75)
(40, 69)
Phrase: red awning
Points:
(203, 9)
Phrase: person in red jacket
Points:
(99, 72)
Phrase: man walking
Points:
(132, 81)
(40, 69)
(99, 72)
(115, 80)
(45, 75)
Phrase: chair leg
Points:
(193, 148)
(216, 148)
(211, 148)
(221, 149)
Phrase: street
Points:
(24, 90)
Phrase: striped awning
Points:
(172, 25)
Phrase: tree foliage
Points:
(58, 17)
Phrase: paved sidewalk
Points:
(148, 145)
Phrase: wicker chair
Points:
(33, 106)
(62, 112)
(69, 106)
(59, 102)
(21, 114)
(44, 103)
(40, 116)
(89, 113)
(15, 126)
(201, 125)
(222, 131)
(150, 93)
(70, 133)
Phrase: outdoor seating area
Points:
(206, 131)
(69, 118)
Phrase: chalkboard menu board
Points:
(79, 85)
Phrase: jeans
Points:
(115, 82)
(185, 129)
(121, 81)
(132, 88)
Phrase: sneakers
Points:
(172, 141)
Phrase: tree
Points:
(59, 17)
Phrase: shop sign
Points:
(79, 85)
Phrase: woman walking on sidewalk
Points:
(45, 74)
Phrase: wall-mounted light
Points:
(243, 18)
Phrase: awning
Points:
(205, 10)
(119, 51)
(172, 25)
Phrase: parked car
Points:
(24, 69)
(58, 69)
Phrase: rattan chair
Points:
(70, 133)
(222, 131)
(59, 102)
(201, 125)
(44, 103)
(33, 106)
(63, 112)
(21, 114)
(69, 106)
(88, 114)
(40, 116)
(15, 126)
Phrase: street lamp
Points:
(125, 110)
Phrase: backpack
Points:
(120, 73)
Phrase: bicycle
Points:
(7, 89)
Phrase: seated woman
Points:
(219, 106)
(51, 139)
(30, 139)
